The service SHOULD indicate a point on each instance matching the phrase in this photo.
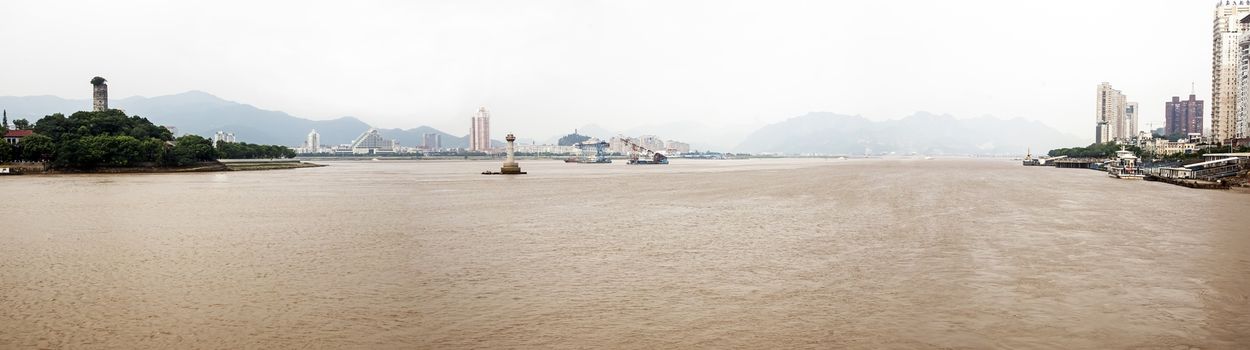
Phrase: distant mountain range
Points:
(200, 113)
(922, 133)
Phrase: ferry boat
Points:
(1125, 166)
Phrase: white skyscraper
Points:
(313, 143)
(1227, 29)
(1241, 116)
(479, 131)
(1113, 115)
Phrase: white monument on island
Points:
(510, 166)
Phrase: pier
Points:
(1191, 183)
(1080, 163)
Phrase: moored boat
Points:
(1125, 166)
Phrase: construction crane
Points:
(585, 147)
(652, 157)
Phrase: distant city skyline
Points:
(551, 66)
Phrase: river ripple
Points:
(698, 254)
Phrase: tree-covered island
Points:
(90, 141)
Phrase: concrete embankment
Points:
(1191, 183)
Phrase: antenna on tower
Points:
(1192, 88)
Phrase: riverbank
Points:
(1191, 183)
(265, 164)
(214, 166)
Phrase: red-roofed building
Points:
(15, 136)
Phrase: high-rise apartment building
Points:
(432, 141)
(1113, 113)
(1227, 29)
(479, 131)
(1131, 120)
(1241, 117)
(313, 142)
(1183, 117)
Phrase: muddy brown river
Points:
(762, 254)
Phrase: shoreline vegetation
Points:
(214, 166)
(109, 141)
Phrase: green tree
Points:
(99, 150)
(21, 124)
(110, 138)
(84, 152)
(37, 148)
(52, 125)
(152, 150)
(191, 149)
(243, 150)
(110, 122)
(572, 139)
(7, 152)
(1097, 150)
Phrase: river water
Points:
(697, 254)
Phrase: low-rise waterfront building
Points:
(676, 148)
(13, 137)
(1244, 156)
(1165, 147)
(548, 149)
(620, 145)
(372, 142)
(222, 136)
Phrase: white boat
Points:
(1124, 166)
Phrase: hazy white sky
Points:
(545, 67)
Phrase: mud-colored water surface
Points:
(697, 254)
